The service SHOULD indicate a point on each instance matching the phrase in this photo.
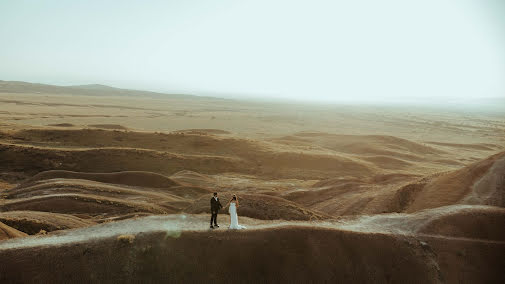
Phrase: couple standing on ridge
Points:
(215, 206)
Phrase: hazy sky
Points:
(321, 50)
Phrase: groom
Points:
(215, 205)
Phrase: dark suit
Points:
(215, 205)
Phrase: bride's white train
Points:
(233, 215)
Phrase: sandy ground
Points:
(79, 169)
(174, 225)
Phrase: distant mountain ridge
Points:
(20, 87)
(93, 87)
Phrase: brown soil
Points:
(132, 178)
(62, 125)
(452, 187)
(478, 223)
(328, 193)
(467, 260)
(259, 206)
(108, 126)
(82, 204)
(32, 222)
(7, 232)
(204, 131)
(284, 255)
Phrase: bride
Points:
(233, 214)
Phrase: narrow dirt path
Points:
(490, 188)
(394, 224)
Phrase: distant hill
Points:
(83, 90)
(93, 87)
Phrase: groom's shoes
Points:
(211, 227)
(216, 225)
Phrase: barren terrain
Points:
(113, 185)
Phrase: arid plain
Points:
(112, 185)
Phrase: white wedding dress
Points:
(234, 217)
